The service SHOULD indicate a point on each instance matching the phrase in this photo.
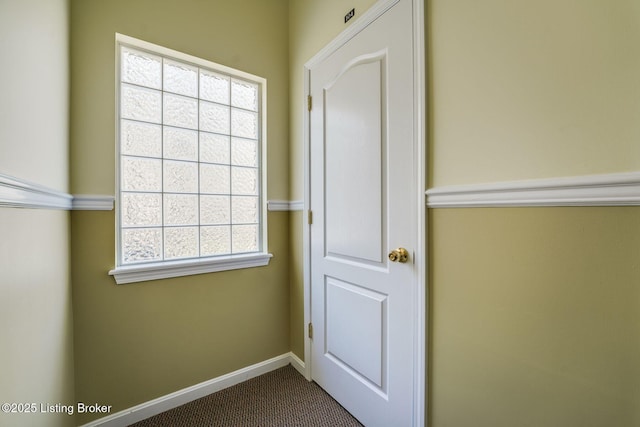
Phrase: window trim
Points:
(137, 272)
(185, 267)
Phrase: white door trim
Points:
(419, 143)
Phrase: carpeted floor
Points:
(279, 398)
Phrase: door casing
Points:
(419, 148)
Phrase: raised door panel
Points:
(356, 331)
(354, 188)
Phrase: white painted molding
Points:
(19, 193)
(298, 364)
(84, 202)
(297, 205)
(421, 296)
(167, 269)
(189, 394)
(618, 189)
(285, 205)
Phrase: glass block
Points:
(141, 244)
(214, 148)
(141, 209)
(180, 209)
(244, 95)
(244, 124)
(244, 238)
(140, 68)
(140, 174)
(214, 179)
(244, 181)
(215, 210)
(180, 177)
(215, 240)
(244, 152)
(214, 118)
(180, 144)
(244, 210)
(140, 139)
(180, 78)
(214, 87)
(180, 111)
(140, 104)
(180, 242)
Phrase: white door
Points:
(363, 190)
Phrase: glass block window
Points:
(190, 149)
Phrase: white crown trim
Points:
(616, 189)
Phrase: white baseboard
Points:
(297, 363)
(186, 395)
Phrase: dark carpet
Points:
(279, 398)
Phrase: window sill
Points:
(165, 270)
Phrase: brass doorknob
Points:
(399, 255)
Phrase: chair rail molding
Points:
(616, 189)
(20, 193)
(285, 205)
(87, 202)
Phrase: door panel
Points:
(353, 105)
(356, 341)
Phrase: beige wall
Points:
(534, 311)
(140, 341)
(523, 89)
(535, 317)
(36, 322)
(36, 331)
(34, 112)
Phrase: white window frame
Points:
(130, 273)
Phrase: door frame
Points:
(420, 166)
